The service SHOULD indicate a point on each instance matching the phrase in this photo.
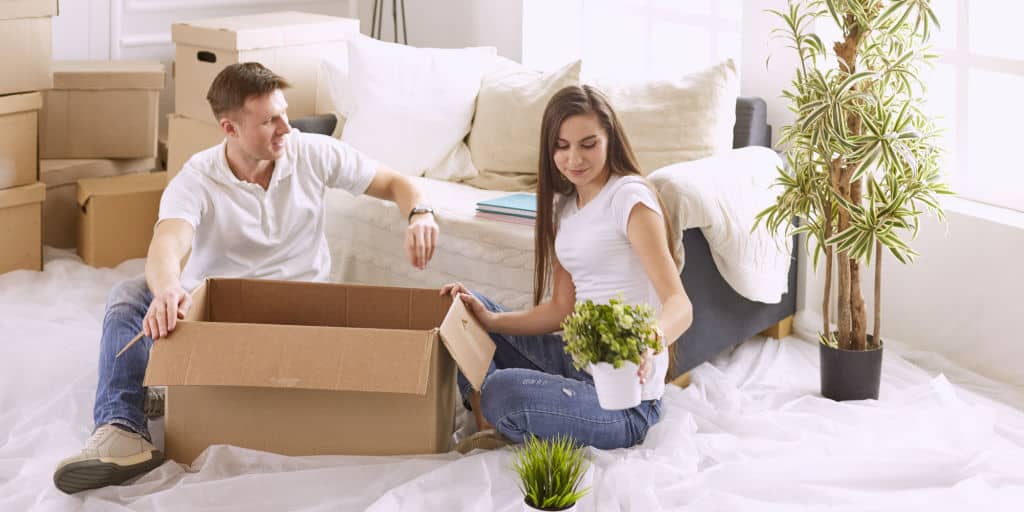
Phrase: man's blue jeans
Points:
(119, 391)
(533, 388)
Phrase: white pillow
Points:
(506, 130)
(411, 107)
(669, 121)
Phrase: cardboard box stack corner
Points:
(291, 44)
(327, 369)
(26, 50)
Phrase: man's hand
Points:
(421, 239)
(165, 310)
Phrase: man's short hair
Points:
(237, 83)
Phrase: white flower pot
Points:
(528, 508)
(655, 385)
(617, 388)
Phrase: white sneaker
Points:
(111, 456)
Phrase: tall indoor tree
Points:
(862, 156)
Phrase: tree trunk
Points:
(841, 185)
(876, 335)
(858, 311)
(826, 329)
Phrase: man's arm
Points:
(421, 236)
(171, 244)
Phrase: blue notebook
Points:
(523, 203)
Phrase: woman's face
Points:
(581, 150)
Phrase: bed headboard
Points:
(751, 127)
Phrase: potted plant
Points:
(610, 340)
(550, 473)
(863, 163)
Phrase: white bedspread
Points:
(750, 433)
(722, 195)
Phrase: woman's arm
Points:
(543, 318)
(646, 232)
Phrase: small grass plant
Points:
(551, 472)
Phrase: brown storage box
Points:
(21, 228)
(26, 45)
(19, 136)
(101, 109)
(60, 211)
(316, 368)
(186, 137)
(289, 43)
(117, 217)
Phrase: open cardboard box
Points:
(302, 368)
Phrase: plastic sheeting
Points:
(750, 433)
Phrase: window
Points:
(631, 40)
(976, 89)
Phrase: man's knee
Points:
(129, 294)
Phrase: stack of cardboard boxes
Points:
(291, 44)
(62, 122)
(25, 47)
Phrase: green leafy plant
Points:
(551, 472)
(609, 333)
(863, 161)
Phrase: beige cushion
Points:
(677, 120)
(505, 137)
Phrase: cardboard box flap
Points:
(15, 103)
(108, 74)
(117, 185)
(267, 30)
(56, 172)
(468, 343)
(16, 9)
(289, 356)
(17, 196)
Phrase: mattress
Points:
(495, 258)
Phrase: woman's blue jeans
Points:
(532, 388)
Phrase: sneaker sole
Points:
(93, 474)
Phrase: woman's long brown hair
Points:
(571, 101)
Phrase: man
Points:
(252, 206)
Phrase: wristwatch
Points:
(418, 209)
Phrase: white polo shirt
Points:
(242, 230)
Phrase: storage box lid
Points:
(215, 353)
(15, 103)
(267, 30)
(15, 9)
(57, 172)
(108, 74)
(17, 196)
(118, 185)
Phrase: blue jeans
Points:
(119, 392)
(532, 388)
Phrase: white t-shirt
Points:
(242, 230)
(592, 245)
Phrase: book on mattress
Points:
(516, 205)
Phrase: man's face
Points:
(261, 126)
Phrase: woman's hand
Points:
(646, 366)
(486, 317)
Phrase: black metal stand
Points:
(377, 20)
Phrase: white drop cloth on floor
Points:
(751, 433)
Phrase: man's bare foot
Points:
(481, 422)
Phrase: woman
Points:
(600, 231)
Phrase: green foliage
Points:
(609, 333)
(894, 151)
(551, 471)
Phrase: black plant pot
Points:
(850, 374)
